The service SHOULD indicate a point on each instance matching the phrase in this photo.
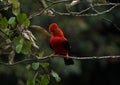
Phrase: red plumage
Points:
(58, 46)
(59, 43)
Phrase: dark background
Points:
(88, 36)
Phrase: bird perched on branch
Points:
(59, 43)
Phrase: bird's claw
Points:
(52, 55)
(67, 56)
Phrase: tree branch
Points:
(40, 29)
(115, 25)
(81, 13)
(48, 58)
(46, 8)
(74, 2)
(94, 57)
(37, 59)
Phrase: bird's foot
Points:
(52, 55)
(67, 56)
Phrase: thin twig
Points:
(47, 58)
(115, 25)
(81, 13)
(18, 62)
(25, 61)
(42, 11)
(60, 1)
(106, 4)
(94, 57)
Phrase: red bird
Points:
(59, 43)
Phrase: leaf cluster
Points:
(16, 38)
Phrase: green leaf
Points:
(15, 3)
(11, 20)
(22, 45)
(21, 18)
(4, 23)
(56, 76)
(28, 66)
(15, 7)
(27, 46)
(44, 65)
(15, 11)
(18, 42)
(13, 24)
(31, 81)
(19, 48)
(27, 22)
(35, 66)
(44, 79)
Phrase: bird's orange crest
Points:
(53, 27)
(55, 30)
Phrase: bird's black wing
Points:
(67, 45)
(68, 61)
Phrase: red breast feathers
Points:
(57, 39)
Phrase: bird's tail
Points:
(68, 61)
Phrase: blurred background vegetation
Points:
(88, 36)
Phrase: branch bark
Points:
(48, 58)
(73, 13)
(82, 13)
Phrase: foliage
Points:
(56, 76)
(21, 41)
(88, 36)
